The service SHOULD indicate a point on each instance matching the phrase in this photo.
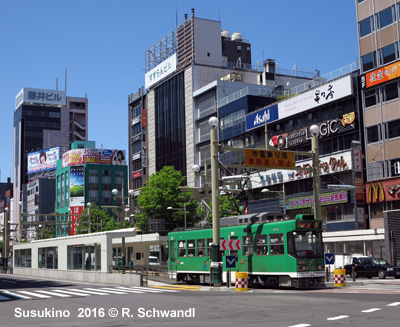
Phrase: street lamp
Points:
(180, 209)
(314, 130)
(265, 190)
(89, 218)
(216, 273)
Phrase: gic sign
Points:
(269, 159)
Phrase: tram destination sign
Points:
(269, 158)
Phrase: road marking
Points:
(371, 310)
(301, 325)
(35, 294)
(72, 292)
(174, 288)
(54, 293)
(85, 291)
(105, 289)
(337, 317)
(16, 295)
(394, 304)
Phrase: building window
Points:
(391, 91)
(388, 53)
(371, 98)
(366, 26)
(368, 61)
(393, 128)
(385, 17)
(23, 258)
(373, 134)
(48, 258)
(395, 167)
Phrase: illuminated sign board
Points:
(380, 75)
(93, 156)
(269, 159)
(43, 160)
(258, 118)
(164, 69)
(40, 96)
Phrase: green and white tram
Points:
(288, 252)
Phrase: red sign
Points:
(144, 118)
(75, 213)
(380, 75)
(230, 245)
(137, 174)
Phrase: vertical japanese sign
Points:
(77, 194)
(269, 159)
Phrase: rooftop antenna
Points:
(65, 80)
(176, 14)
(57, 84)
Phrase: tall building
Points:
(378, 41)
(43, 119)
(188, 73)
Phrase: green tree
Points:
(44, 232)
(160, 192)
(101, 220)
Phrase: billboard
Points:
(52, 97)
(93, 156)
(43, 160)
(319, 96)
(258, 118)
(380, 75)
(77, 186)
(164, 69)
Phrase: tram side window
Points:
(261, 245)
(191, 250)
(248, 245)
(276, 244)
(201, 248)
(181, 249)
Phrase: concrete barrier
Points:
(81, 276)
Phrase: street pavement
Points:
(39, 302)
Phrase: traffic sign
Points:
(329, 258)
(230, 261)
(230, 245)
(269, 158)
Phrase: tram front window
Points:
(302, 244)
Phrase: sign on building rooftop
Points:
(40, 96)
(164, 69)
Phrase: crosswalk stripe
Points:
(18, 296)
(139, 290)
(89, 292)
(53, 293)
(71, 292)
(125, 289)
(108, 290)
(35, 294)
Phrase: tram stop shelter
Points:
(86, 257)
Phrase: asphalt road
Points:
(22, 301)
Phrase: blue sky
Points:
(102, 46)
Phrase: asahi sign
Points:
(326, 128)
(164, 69)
